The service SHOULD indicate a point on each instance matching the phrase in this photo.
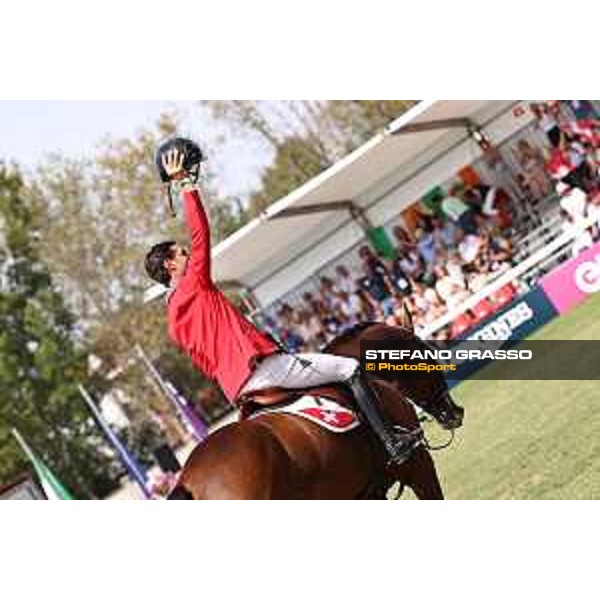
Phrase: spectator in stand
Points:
(368, 257)
(581, 176)
(350, 307)
(501, 175)
(314, 327)
(427, 248)
(269, 324)
(328, 292)
(288, 333)
(435, 307)
(567, 161)
(583, 109)
(477, 280)
(593, 212)
(368, 308)
(400, 279)
(373, 264)
(482, 200)
(587, 131)
(451, 292)
(470, 247)
(411, 265)
(581, 140)
(301, 325)
(406, 241)
(417, 304)
(292, 341)
(454, 267)
(498, 253)
(425, 306)
(444, 233)
(345, 281)
(460, 213)
(547, 119)
(535, 179)
(332, 324)
(314, 305)
(378, 285)
(573, 201)
(583, 237)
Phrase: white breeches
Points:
(298, 371)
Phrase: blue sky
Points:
(29, 129)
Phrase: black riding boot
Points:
(399, 445)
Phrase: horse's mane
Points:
(385, 332)
(348, 334)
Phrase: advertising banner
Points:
(520, 318)
(572, 282)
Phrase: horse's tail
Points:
(180, 493)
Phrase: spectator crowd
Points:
(462, 240)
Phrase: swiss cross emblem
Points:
(329, 417)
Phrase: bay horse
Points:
(281, 456)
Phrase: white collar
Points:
(170, 294)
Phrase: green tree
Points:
(358, 120)
(41, 359)
(296, 161)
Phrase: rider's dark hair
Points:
(155, 262)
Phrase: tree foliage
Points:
(41, 361)
(296, 161)
(305, 137)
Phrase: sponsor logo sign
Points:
(517, 320)
(572, 282)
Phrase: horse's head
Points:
(433, 396)
(430, 394)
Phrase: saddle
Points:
(254, 402)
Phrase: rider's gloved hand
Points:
(172, 162)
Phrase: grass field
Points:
(529, 439)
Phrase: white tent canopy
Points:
(308, 228)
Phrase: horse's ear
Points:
(407, 321)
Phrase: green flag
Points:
(53, 488)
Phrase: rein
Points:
(427, 419)
(441, 446)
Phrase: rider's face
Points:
(178, 261)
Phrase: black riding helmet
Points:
(192, 158)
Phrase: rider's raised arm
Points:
(198, 267)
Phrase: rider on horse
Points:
(223, 344)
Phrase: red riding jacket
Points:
(204, 323)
